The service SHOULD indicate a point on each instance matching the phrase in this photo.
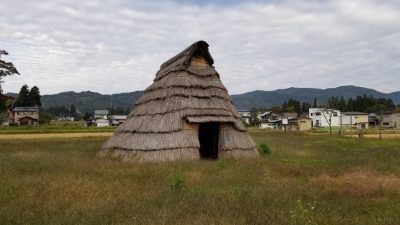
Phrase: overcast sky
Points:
(115, 46)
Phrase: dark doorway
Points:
(208, 137)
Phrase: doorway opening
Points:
(208, 138)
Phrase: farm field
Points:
(307, 179)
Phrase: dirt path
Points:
(54, 135)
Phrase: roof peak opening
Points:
(196, 50)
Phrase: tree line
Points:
(361, 103)
(28, 98)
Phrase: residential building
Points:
(245, 115)
(391, 120)
(265, 124)
(101, 114)
(322, 117)
(373, 119)
(118, 119)
(102, 123)
(358, 119)
(270, 120)
(25, 115)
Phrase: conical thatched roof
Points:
(163, 124)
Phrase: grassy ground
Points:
(54, 127)
(308, 179)
(354, 131)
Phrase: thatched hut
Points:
(186, 113)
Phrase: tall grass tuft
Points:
(264, 149)
(177, 180)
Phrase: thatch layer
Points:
(153, 141)
(163, 125)
(141, 156)
(207, 119)
(184, 57)
(191, 70)
(184, 92)
(231, 139)
(160, 106)
(158, 123)
(183, 79)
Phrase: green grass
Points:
(307, 179)
(347, 130)
(54, 127)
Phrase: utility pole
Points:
(351, 125)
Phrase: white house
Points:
(102, 123)
(391, 120)
(320, 117)
(358, 119)
(245, 115)
(270, 120)
(101, 114)
(118, 119)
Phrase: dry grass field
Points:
(307, 179)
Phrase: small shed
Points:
(300, 123)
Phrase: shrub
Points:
(264, 149)
(177, 181)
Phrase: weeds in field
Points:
(264, 149)
(177, 180)
(7, 192)
(304, 213)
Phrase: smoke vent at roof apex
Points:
(199, 48)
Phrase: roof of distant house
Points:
(101, 112)
(300, 117)
(25, 109)
(119, 117)
(391, 112)
(354, 113)
(265, 113)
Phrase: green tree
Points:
(34, 96)
(6, 69)
(254, 121)
(305, 106)
(350, 104)
(73, 112)
(342, 104)
(86, 116)
(23, 97)
(44, 117)
(390, 105)
(315, 105)
(284, 106)
(293, 106)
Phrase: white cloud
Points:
(117, 46)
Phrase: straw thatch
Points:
(164, 123)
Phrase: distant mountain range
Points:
(89, 101)
(268, 99)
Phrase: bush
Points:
(264, 149)
(177, 181)
(44, 118)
